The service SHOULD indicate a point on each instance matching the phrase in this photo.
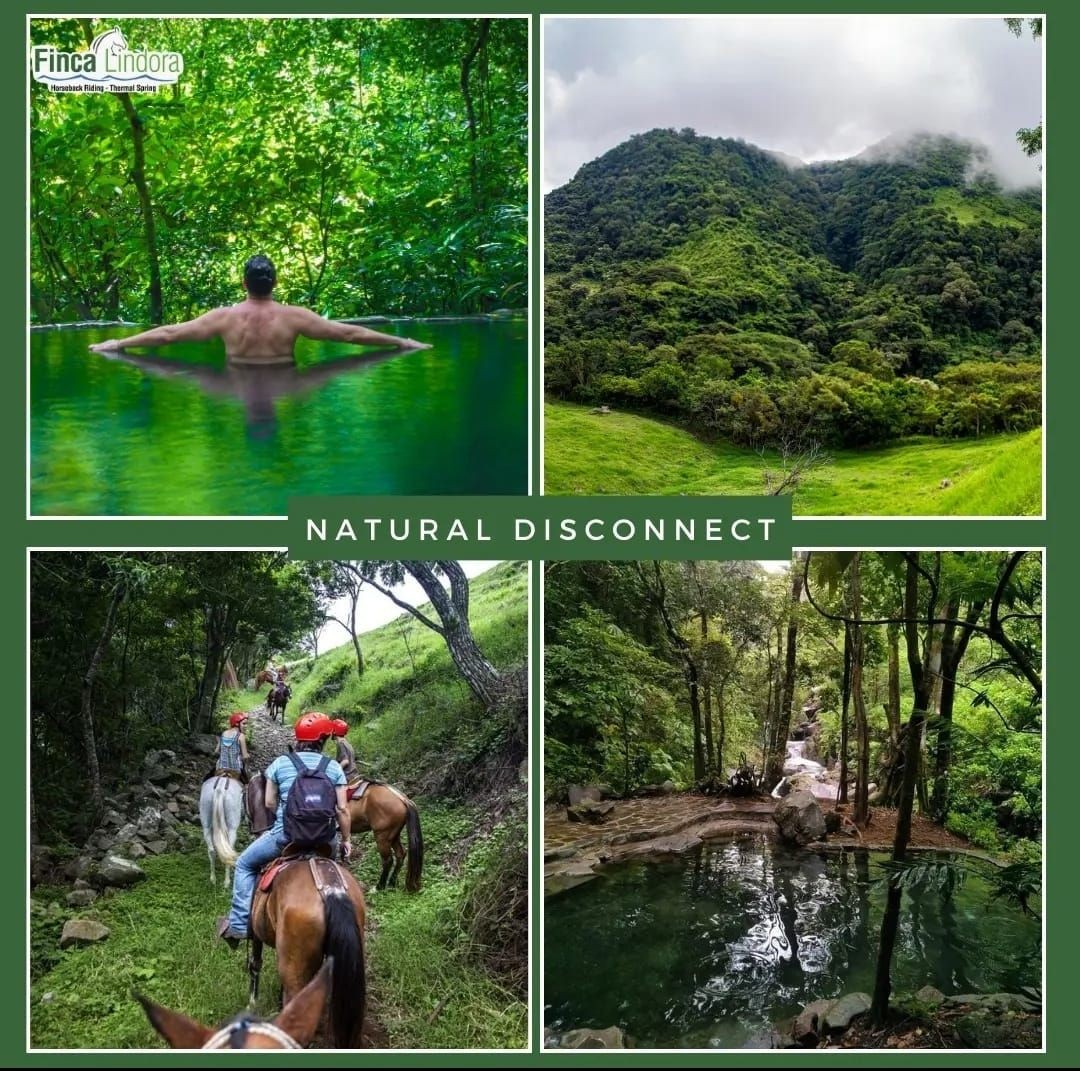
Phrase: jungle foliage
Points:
(381, 163)
(760, 301)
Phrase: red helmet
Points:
(237, 718)
(313, 726)
(341, 728)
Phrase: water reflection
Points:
(714, 948)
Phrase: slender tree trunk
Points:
(862, 732)
(952, 654)
(86, 708)
(483, 29)
(710, 754)
(842, 796)
(138, 177)
(892, 707)
(721, 728)
(920, 679)
(775, 768)
(355, 637)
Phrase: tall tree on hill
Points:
(451, 620)
(774, 765)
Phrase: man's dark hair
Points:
(260, 275)
(312, 745)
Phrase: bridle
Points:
(235, 1034)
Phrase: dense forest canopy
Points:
(679, 670)
(763, 301)
(381, 163)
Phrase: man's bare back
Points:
(260, 331)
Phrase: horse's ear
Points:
(178, 1030)
(300, 1018)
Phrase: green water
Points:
(189, 436)
(714, 948)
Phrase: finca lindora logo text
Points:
(109, 65)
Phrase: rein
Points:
(235, 1034)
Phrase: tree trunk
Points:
(952, 654)
(920, 680)
(862, 732)
(775, 767)
(842, 795)
(355, 637)
(483, 679)
(483, 30)
(710, 754)
(138, 177)
(86, 708)
(892, 707)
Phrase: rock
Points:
(204, 744)
(126, 833)
(112, 818)
(82, 932)
(81, 897)
(567, 874)
(808, 1023)
(158, 775)
(172, 807)
(78, 867)
(585, 1038)
(82, 883)
(799, 818)
(768, 1039)
(41, 863)
(162, 757)
(148, 821)
(998, 1002)
(841, 1012)
(579, 793)
(113, 870)
(668, 787)
(135, 850)
(592, 811)
(48, 998)
(156, 846)
(929, 995)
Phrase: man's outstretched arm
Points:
(198, 330)
(312, 325)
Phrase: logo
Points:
(108, 66)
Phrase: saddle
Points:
(234, 774)
(325, 872)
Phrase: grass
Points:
(621, 453)
(162, 944)
(998, 211)
(411, 703)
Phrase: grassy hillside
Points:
(622, 453)
(413, 718)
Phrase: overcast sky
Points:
(814, 88)
(373, 609)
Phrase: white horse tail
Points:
(219, 829)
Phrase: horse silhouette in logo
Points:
(110, 41)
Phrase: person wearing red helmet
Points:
(346, 756)
(232, 752)
(312, 730)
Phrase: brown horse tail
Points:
(416, 848)
(345, 943)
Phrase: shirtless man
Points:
(259, 330)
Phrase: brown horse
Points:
(293, 1028)
(314, 911)
(277, 699)
(385, 811)
(264, 676)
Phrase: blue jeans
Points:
(252, 859)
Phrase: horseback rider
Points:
(232, 750)
(346, 755)
(312, 731)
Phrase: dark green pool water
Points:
(109, 437)
(714, 948)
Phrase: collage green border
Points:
(1056, 533)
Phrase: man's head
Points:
(260, 275)
(312, 730)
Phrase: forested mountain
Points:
(760, 300)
